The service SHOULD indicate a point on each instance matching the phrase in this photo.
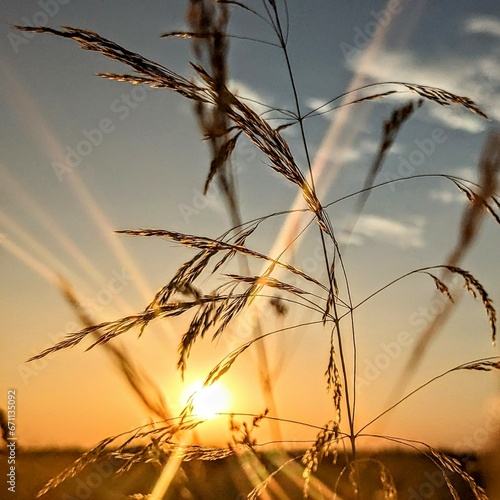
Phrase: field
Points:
(324, 241)
(414, 477)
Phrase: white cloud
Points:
(349, 155)
(365, 148)
(417, 220)
(242, 90)
(458, 118)
(483, 24)
(402, 65)
(477, 78)
(446, 196)
(314, 102)
(352, 239)
(375, 227)
(467, 173)
(489, 68)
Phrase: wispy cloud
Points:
(252, 96)
(483, 24)
(477, 78)
(365, 148)
(468, 173)
(446, 197)
(407, 234)
(314, 102)
(458, 119)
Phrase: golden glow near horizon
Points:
(207, 401)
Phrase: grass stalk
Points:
(223, 118)
(336, 327)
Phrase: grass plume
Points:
(224, 118)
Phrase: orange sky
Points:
(154, 163)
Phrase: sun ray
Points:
(39, 214)
(33, 263)
(324, 177)
(34, 121)
(317, 489)
(15, 228)
(108, 234)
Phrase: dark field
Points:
(415, 478)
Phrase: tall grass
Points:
(224, 118)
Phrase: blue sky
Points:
(141, 163)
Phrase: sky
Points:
(82, 157)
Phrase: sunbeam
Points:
(34, 264)
(15, 229)
(34, 122)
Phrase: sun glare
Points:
(207, 401)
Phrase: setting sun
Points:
(207, 401)
(259, 260)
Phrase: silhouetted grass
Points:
(224, 118)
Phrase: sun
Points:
(207, 401)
